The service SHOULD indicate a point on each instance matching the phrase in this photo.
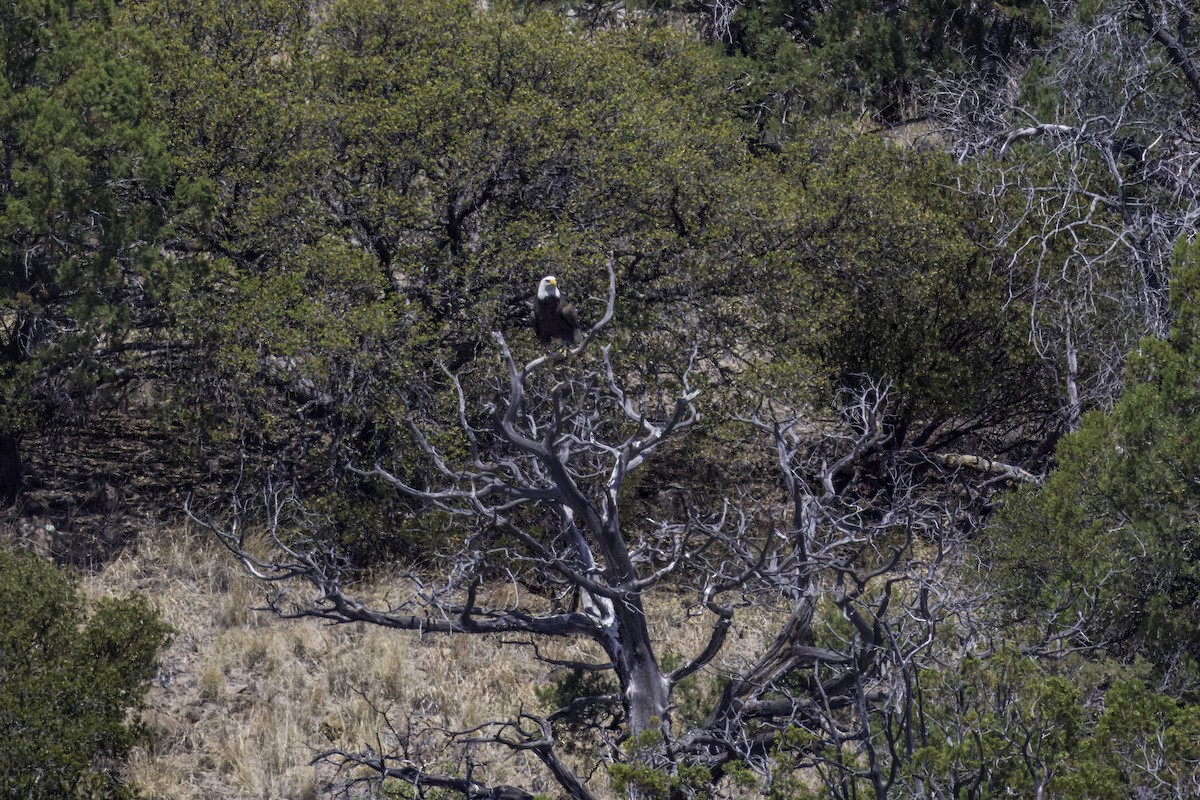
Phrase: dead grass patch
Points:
(244, 700)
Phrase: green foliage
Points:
(404, 790)
(802, 58)
(442, 160)
(316, 214)
(372, 192)
(1109, 535)
(84, 196)
(1009, 724)
(652, 783)
(68, 679)
(888, 278)
(997, 726)
(1143, 740)
(230, 92)
(574, 721)
(790, 752)
(856, 56)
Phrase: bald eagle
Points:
(552, 317)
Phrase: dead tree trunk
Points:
(533, 494)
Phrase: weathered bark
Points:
(535, 492)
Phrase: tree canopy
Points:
(890, 349)
(85, 202)
(1104, 546)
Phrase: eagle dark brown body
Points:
(553, 317)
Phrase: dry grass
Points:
(244, 700)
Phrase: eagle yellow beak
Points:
(552, 281)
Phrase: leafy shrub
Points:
(1107, 544)
(68, 678)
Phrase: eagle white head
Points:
(548, 287)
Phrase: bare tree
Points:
(1088, 148)
(852, 571)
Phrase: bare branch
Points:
(419, 778)
(988, 467)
